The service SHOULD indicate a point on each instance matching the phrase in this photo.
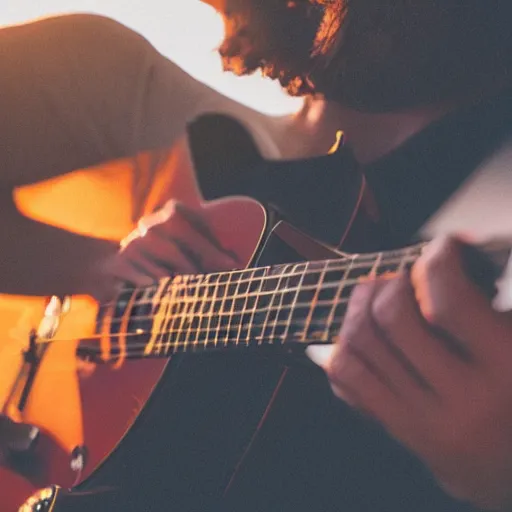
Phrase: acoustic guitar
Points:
(89, 373)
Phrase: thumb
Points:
(320, 354)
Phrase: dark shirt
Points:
(412, 182)
(311, 453)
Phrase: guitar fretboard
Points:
(284, 304)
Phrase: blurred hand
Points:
(427, 356)
(175, 240)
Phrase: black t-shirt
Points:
(412, 182)
(311, 453)
(409, 184)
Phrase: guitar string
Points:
(114, 336)
(190, 287)
(137, 351)
(337, 265)
(357, 261)
(114, 321)
(256, 294)
(186, 300)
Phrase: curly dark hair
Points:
(391, 54)
(371, 54)
(279, 37)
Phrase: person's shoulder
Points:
(80, 31)
(95, 25)
(225, 117)
(77, 21)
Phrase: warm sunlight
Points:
(193, 48)
(186, 31)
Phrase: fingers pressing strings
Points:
(180, 241)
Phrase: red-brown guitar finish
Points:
(95, 410)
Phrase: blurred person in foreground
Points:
(423, 95)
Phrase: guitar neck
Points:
(300, 303)
(283, 305)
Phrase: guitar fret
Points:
(178, 342)
(139, 321)
(293, 306)
(193, 313)
(215, 315)
(198, 314)
(186, 316)
(212, 286)
(204, 299)
(173, 314)
(314, 301)
(253, 311)
(374, 272)
(268, 309)
(245, 299)
(233, 311)
(301, 302)
(227, 309)
(155, 342)
(223, 317)
(281, 290)
(119, 350)
(163, 312)
(337, 302)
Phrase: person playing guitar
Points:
(420, 115)
(120, 153)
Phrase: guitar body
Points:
(101, 403)
(175, 440)
(190, 438)
(195, 417)
(84, 410)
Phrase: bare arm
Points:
(77, 91)
(37, 259)
(82, 89)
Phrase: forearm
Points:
(37, 259)
(78, 90)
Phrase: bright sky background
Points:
(164, 23)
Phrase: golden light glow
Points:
(192, 45)
(186, 31)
